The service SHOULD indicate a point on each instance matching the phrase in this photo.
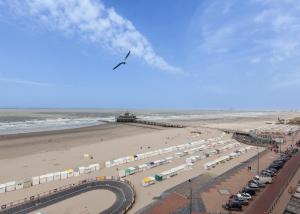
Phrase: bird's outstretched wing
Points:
(127, 55)
(118, 65)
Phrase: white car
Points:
(245, 196)
(263, 179)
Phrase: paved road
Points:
(265, 200)
(124, 197)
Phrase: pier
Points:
(131, 118)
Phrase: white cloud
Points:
(281, 20)
(94, 21)
(282, 49)
(216, 40)
(271, 27)
(24, 82)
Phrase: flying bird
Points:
(123, 62)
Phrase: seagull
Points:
(123, 62)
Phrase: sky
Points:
(200, 54)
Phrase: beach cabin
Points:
(87, 170)
(27, 182)
(107, 164)
(92, 167)
(49, 177)
(19, 184)
(121, 173)
(179, 154)
(130, 171)
(2, 188)
(142, 167)
(35, 180)
(148, 181)
(43, 179)
(169, 159)
(158, 177)
(81, 169)
(56, 176)
(76, 172)
(70, 173)
(63, 175)
(10, 186)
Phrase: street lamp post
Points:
(191, 195)
(257, 160)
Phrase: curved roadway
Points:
(125, 196)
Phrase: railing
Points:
(270, 210)
(36, 198)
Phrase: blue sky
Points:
(205, 54)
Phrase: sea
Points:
(13, 121)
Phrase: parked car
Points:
(263, 179)
(253, 186)
(270, 169)
(279, 162)
(284, 158)
(234, 198)
(276, 166)
(233, 206)
(295, 150)
(244, 195)
(264, 173)
(249, 190)
(257, 182)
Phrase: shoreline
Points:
(50, 132)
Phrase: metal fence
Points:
(36, 199)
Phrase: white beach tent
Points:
(70, 173)
(19, 184)
(76, 172)
(43, 179)
(35, 180)
(81, 169)
(94, 167)
(2, 188)
(56, 176)
(107, 164)
(10, 186)
(142, 167)
(63, 175)
(49, 177)
(27, 182)
(121, 173)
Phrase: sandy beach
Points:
(32, 154)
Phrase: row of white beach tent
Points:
(132, 170)
(165, 174)
(141, 156)
(225, 158)
(188, 165)
(28, 182)
(278, 128)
